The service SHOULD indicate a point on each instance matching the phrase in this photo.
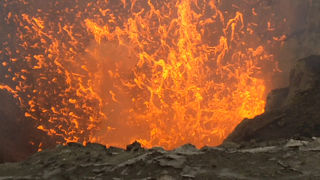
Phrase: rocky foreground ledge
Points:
(279, 144)
(286, 159)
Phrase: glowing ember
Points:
(162, 72)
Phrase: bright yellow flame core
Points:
(163, 73)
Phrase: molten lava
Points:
(163, 72)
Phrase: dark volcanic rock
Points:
(292, 112)
(74, 144)
(135, 146)
(96, 146)
(291, 159)
(276, 99)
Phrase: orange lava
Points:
(164, 73)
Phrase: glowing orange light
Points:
(161, 72)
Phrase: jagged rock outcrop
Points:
(291, 112)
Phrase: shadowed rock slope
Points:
(291, 112)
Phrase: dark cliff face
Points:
(290, 112)
(18, 136)
(14, 131)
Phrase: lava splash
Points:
(163, 72)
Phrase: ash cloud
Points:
(302, 27)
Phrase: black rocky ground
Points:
(292, 159)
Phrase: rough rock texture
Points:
(291, 112)
(276, 99)
(292, 159)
